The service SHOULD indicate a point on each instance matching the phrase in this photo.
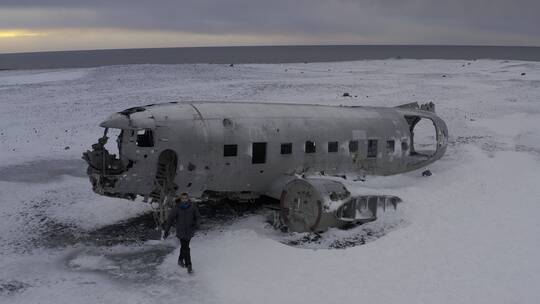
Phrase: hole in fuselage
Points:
(424, 138)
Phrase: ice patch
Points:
(92, 262)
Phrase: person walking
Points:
(187, 218)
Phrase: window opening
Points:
(310, 147)
(259, 153)
(372, 148)
(353, 146)
(332, 146)
(230, 150)
(390, 146)
(145, 138)
(286, 148)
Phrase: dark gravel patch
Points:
(12, 287)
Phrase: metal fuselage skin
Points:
(198, 132)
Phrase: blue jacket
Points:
(187, 219)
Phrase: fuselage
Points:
(250, 148)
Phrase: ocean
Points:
(259, 54)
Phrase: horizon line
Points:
(275, 45)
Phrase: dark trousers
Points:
(185, 252)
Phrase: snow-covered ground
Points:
(469, 233)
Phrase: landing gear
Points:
(164, 187)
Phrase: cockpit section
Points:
(128, 137)
(101, 159)
(104, 166)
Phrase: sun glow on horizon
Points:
(18, 33)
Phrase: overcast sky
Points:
(39, 25)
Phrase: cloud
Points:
(354, 21)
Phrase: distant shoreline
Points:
(260, 54)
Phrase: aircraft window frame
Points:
(258, 155)
(310, 147)
(404, 146)
(286, 148)
(353, 146)
(333, 147)
(230, 150)
(390, 146)
(372, 148)
(145, 138)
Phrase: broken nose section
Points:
(104, 169)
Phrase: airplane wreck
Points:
(295, 153)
